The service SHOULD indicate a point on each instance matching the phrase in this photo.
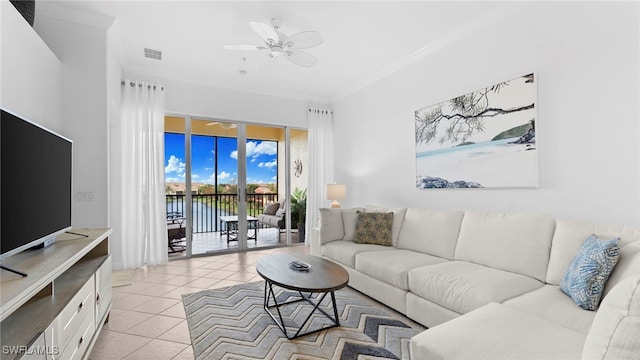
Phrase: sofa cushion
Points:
(589, 270)
(616, 327)
(519, 243)
(393, 266)
(497, 332)
(271, 220)
(345, 252)
(551, 304)
(570, 235)
(331, 226)
(349, 217)
(398, 220)
(374, 228)
(463, 286)
(430, 231)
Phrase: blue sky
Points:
(261, 163)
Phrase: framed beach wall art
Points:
(483, 139)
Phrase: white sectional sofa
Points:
(487, 284)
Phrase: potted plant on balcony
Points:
(299, 211)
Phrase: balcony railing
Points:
(208, 207)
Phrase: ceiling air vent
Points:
(153, 54)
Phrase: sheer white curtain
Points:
(144, 226)
(320, 162)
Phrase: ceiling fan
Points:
(281, 45)
(224, 125)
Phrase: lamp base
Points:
(335, 204)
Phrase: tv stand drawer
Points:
(80, 307)
(79, 340)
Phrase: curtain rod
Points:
(132, 84)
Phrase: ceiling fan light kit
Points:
(280, 44)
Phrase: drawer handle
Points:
(98, 298)
(81, 340)
(81, 305)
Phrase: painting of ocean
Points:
(484, 139)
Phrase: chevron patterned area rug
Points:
(231, 323)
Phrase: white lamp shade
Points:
(336, 191)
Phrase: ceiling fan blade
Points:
(244, 47)
(304, 40)
(223, 125)
(267, 61)
(301, 58)
(266, 32)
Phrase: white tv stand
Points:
(58, 310)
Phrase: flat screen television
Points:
(35, 184)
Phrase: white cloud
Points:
(224, 175)
(174, 164)
(171, 179)
(263, 148)
(255, 149)
(269, 164)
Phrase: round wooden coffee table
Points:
(323, 277)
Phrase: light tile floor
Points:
(147, 318)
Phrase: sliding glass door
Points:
(226, 186)
(214, 183)
(265, 185)
(298, 183)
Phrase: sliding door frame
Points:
(242, 180)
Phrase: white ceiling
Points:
(362, 40)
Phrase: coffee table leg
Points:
(277, 306)
(309, 317)
(268, 292)
(335, 309)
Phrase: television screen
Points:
(35, 184)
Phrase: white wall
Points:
(586, 59)
(31, 74)
(83, 51)
(198, 99)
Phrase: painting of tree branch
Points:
(483, 139)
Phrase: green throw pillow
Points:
(374, 228)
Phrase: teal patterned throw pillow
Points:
(373, 228)
(589, 270)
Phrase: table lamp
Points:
(336, 192)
